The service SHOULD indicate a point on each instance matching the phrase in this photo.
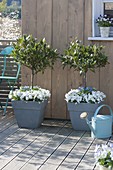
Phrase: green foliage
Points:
(3, 5)
(106, 162)
(35, 55)
(83, 58)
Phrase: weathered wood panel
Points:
(44, 30)
(106, 74)
(29, 26)
(59, 76)
(75, 19)
(87, 20)
(92, 78)
(29, 17)
(75, 30)
(61, 21)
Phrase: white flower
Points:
(21, 97)
(10, 96)
(104, 155)
(27, 93)
(18, 93)
(82, 95)
(30, 96)
(77, 90)
(27, 98)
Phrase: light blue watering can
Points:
(101, 125)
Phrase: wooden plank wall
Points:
(60, 21)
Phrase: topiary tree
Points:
(35, 55)
(83, 58)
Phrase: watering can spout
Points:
(84, 116)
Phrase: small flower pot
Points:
(104, 31)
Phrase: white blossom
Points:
(84, 96)
(27, 93)
(104, 155)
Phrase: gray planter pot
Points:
(76, 109)
(29, 114)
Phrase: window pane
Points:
(108, 9)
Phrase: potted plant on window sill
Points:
(83, 58)
(29, 102)
(104, 23)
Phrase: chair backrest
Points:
(7, 50)
(9, 68)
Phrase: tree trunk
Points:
(84, 80)
(32, 79)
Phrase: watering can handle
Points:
(104, 105)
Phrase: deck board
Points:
(46, 151)
(74, 158)
(53, 146)
(32, 148)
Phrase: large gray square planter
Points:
(29, 114)
(76, 109)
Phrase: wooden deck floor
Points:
(55, 145)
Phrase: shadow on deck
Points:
(55, 145)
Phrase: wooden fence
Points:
(59, 21)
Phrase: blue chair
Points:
(9, 72)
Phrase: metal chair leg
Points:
(11, 88)
(5, 107)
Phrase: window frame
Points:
(97, 9)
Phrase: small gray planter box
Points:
(76, 109)
(29, 114)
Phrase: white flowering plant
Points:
(26, 93)
(104, 21)
(104, 155)
(84, 95)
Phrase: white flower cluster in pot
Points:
(84, 95)
(26, 93)
(104, 155)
